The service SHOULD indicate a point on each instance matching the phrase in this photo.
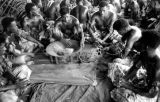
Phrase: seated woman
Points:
(33, 21)
(19, 42)
(22, 72)
(11, 77)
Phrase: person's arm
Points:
(106, 37)
(92, 28)
(77, 27)
(13, 50)
(128, 47)
(57, 33)
(34, 40)
(130, 42)
(88, 16)
(79, 30)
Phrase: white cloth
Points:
(117, 71)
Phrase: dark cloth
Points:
(150, 64)
(150, 38)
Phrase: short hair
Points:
(6, 22)
(64, 10)
(77, 1)
(103, 4)
(120, 24)
(28, 8)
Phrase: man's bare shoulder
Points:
(136, 29)
(80, 7)
(137, 32)
(96, 14)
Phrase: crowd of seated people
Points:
(71, 25)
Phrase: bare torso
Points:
(81, 13)
(67, 27)
(102, 23)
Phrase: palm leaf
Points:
(12, 7)
(5, 7)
